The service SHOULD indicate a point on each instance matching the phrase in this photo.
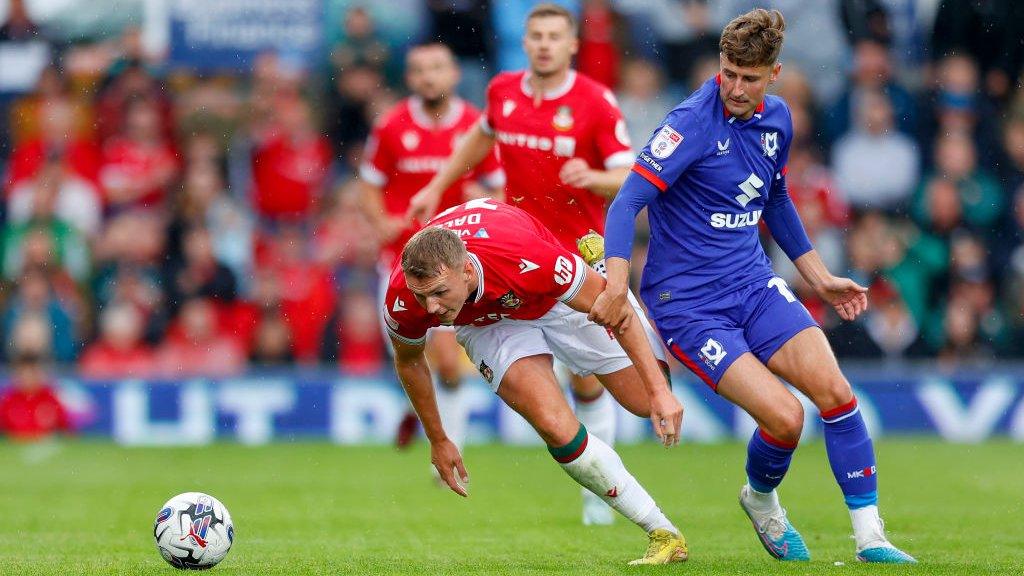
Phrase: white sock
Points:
(600, 470)
(762, 502)
(868, 530)
(598, 416)
(454, 416)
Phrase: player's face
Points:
(549, 44)
(743, 87)
(444, 294)
(431, 73)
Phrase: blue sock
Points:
(767, 461)
(851, 455)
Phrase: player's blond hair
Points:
(547, 10)
(430, 250)
(754, 39)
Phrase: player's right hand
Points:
(444, 455)
(667, 417)
(423, 205)
(612, 311)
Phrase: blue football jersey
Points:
(716, 173)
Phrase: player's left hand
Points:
(667, 417)
(577, 173)
(847, 297)
(444, 455)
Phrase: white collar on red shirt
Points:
(427, 122)
(479, 276)
(558, 92)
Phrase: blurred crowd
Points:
(161, 223)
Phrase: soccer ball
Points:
(193, 531)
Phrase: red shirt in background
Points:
(126, 161)
(288, 175)
(103, 360)
(80, 157)
(28, 414)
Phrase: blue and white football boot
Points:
(773, 529)
(872, 545)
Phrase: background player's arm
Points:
(471, 151)
(372, 203)
(576, 172)
(666, 411)
(414, 374)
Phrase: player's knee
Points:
(833, 393)
(788, 423)
(555, 430)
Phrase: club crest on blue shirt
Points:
(770, 143)
(666, 142)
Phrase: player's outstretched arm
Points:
(848, 298)
(666, 411)
(413, 372)
(372, 204)
(471, 151)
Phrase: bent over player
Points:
(517, 298)
(708, 176)
(565, 150)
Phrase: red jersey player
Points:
(565, 149)
(517, 297)
(408, 146)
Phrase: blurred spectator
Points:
(139, 164)
(134, 83)
(198, 274)
(987, 31)
(289, 170)
(344, 241)
(350, 107)
(865, 20)
(30, 407)
(24, 52)
(602, 34)
(683, 33)
(195, 347)
(872, 72)
(887, 331)
(57, 140)
(74, 200)
(44, 240)
(34, 300)
(465, 27)
(962, 342)
(360, 45)
(120, 351)
(352, 336)
(980, 195)
(127, 255)
(642, 99)
(875, 166)
(272, 342)
(955, 104)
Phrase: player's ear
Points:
(776, 68)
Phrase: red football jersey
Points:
(577, 120)
(408, 147)
(523, 271)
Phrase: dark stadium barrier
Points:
(295, 405)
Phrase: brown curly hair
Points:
(754, 39)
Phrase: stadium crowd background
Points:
(159, 222)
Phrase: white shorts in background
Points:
(585, 347)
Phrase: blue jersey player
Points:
(708, 176)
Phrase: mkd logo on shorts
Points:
(712, 353)
(486, 372)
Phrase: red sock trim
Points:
(841, 410)
(775, 441)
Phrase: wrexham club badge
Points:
(510, 300)
(563, 119)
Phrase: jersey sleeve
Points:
(487, 119)
(673, 148)
(403, 317)
(378, 162)
(780, 214)
(612, 137)
(546, 268)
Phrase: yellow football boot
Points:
(591, 248)
(665, 548)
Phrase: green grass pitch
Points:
(87, 507)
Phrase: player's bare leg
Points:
(445, 357)
(780, 417)
(596, 411)
(529, 387)
(807, 362)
